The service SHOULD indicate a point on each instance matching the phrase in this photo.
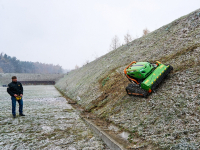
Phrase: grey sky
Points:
(69, 32)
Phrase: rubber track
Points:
(157, 82)
(133, 89)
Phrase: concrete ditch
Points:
(111, 143)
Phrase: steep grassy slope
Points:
(168, 118)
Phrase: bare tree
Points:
(76, 67)
(115, 43)
(86, 62)
(145, 32)
(127, 38)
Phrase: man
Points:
(15, 90)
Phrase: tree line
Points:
(127, 38)
(115, 43)
(13, 65)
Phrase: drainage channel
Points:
(114, 137)
(104, 130)
(111, 143)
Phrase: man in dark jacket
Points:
(15, 90)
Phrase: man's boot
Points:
(21, 114)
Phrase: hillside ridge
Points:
(169, 117)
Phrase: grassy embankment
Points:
(169, 117)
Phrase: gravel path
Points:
(50, 123)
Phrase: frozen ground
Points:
(50, 123)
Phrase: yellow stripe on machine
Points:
(151, 79)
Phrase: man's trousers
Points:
(14, 105)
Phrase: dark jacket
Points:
(15, 88)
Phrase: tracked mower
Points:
(145, 77)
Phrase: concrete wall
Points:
(5, 78)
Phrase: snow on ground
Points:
(50, 123)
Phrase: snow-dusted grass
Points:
(50, 123)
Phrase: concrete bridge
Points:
(30, 79)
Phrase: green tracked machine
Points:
(145, 77)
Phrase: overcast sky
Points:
(70, 32)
